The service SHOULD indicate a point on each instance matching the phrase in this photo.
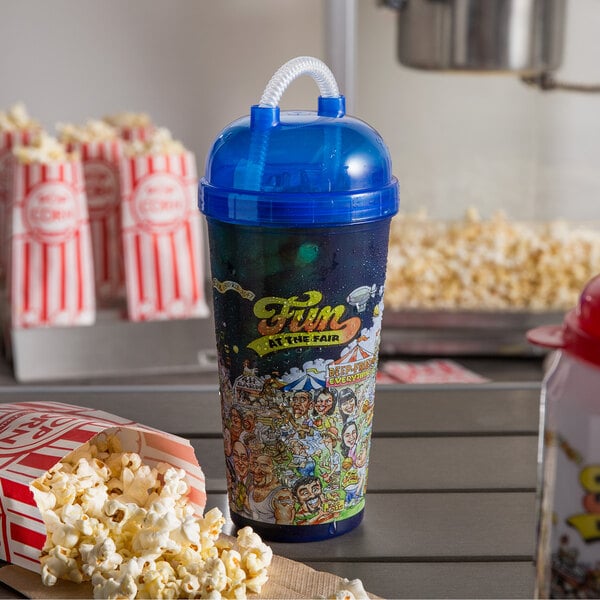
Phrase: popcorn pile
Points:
(17, 118)
(159, 142)
(129, 529)
(43, 149)
(92, 131)
(493, 264)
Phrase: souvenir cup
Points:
(568, 500)
(298, 207)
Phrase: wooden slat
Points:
(425, 464)
(450, 507)
(439, 580)
(430, 527)
(185, 413)
(443, 410)
(398, 411)
(426, 580)
(506, 369)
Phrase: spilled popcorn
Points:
(17, 118)
(129, 529)
(92, 131)
(43, 149)
(350, 590)
(159, 142)
(488, 264)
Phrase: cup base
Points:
(299, 533)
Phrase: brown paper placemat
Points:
(288, 579)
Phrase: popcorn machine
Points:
(475, 286)
(525, 38)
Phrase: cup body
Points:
(298, 316)
(568, 512)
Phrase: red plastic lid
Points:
(580, 332)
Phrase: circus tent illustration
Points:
(355, 354)
(307, 380)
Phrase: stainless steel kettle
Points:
(525, 37)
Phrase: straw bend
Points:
(302, 65)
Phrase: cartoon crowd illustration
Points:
(572, 577)
(296, 452)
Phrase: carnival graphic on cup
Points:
(567, 553)
(298, 206)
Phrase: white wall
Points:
(569, 178)
(486, 140)
(195, 65)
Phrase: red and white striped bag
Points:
(51, 275)
(34, 436)
(8, 140)
(162, 238)
(101, 160)
(137, 133)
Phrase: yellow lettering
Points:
(587, 525)
(301, 315)
(590, 478)
(289, 308)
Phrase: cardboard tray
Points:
(288, 579)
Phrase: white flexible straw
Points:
(302, 65)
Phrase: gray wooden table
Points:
(450, 509)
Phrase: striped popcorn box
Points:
(101, 161)
(51, 278)
(141, 133)
(132, 126)
(34, 436)
(8, 140)
(162, 238)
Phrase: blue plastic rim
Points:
(299, 168)
(299, 533)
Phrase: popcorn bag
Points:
(8, 140)
(34, 436)
(132, 127)
(136, 133)
(51, 271)
(102, 186)
(162, 237)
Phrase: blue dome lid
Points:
(299, 169)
